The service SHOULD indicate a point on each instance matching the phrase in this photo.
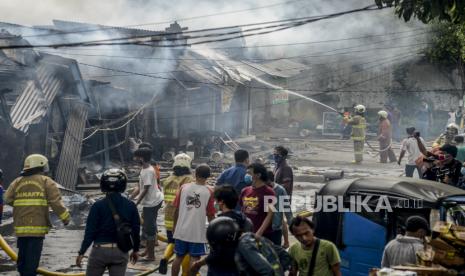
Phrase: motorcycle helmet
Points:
(113, 180)
(222, 231)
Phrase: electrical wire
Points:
(250, 59)
(102, 27)
(121, 126)
(291, 23)
(202, 101)
(184, 81)
(274, 45)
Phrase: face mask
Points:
(277, 158)
(248, 179)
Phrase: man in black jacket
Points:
(101, 228)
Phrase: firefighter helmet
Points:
(222, 231)
(182, 160)
(383, 114)
(452, 129)
(36, 161)
(113, 180)
(360, 108)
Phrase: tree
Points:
(447, 46)
(428, 10)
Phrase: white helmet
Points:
(360, 108)
(452, 129)
(383, 114)
(182, 160)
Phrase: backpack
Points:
(123, 230)
(276, 255)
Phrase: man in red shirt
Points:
(255, 200)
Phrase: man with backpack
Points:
(112, 227)
(312, 256)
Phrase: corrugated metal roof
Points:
(67, 170)
(36, 97)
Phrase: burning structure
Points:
(97, 103)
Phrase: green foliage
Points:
(428, 10)
(447, 43)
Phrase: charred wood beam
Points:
(104, 150)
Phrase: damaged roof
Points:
(42, 80)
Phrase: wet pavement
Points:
(62, 244)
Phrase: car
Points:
(362, 234)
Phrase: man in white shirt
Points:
(411, 146)
(194, 204)
(150, 197)
(402, 250)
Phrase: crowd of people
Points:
(247, 234)
(443, 162)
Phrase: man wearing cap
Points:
(402, 250)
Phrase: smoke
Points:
(125, 12)
(324, 59)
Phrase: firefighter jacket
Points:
(358, 124)
(385, 131)
(31, 197)
(443, 139)
(170, 187)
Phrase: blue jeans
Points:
(29, 252)
(409, 169)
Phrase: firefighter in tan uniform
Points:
(358, 123)
(31, 195)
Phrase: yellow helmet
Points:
(383, 114)
(36, 161)
(182, 160)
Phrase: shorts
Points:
(182, 248)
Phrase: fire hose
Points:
(14, 257)
(12, 254)
(380, 150)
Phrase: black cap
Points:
(450, 149)
(415, 223)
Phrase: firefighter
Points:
(181, 175)
(358, 124)
(31, 194)
(447, 137)
(385, 138)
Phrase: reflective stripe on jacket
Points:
(358, 124)
(31, 197)
(170, 188)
